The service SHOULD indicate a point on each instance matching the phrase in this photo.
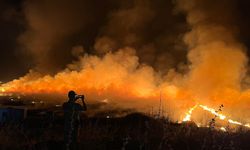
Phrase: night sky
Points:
(40, 34)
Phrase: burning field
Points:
(185, 58)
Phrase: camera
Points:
(79, 96)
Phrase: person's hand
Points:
(79, 97)
(82, 97)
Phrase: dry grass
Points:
(132, 132)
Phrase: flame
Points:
(2, 90)
(247, 125)
(189, 114)
(223, 117)
(214, 112)
(234, 122)
(117, 76)
(223, 129)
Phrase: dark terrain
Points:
(132, 132)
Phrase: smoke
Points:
(53, 28)
(218, 59)
(129, 53)
(116, 76)
(125, 26)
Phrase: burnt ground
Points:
(132, 132)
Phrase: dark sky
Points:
(11, 65)
(40, 34)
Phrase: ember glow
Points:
(214, 112)
(223, 129)
(211, 110)
(189, 114)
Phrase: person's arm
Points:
(83, 104)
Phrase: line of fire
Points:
(124, 75)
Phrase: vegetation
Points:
(132, 132)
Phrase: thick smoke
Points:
(53, 28)
(125, 27)
(218, 60)
(117, 77)
(134, 51)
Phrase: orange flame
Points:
(118, 76)
(189, 114)
(214, 112)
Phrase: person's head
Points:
(72, 95)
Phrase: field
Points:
(131, 132)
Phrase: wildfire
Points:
(189, 114)
(223, 129)
(214, 112)
(2, 90)
(217, 62)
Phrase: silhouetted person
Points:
(72, 119)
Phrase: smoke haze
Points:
(130, 52)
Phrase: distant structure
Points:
(160, 111)
(12, 114)
(12, 110)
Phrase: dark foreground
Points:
(132, 132)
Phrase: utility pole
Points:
(160, 107)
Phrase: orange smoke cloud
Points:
(217, 67)
(114, 70)
(115, 76)
(218, 59)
